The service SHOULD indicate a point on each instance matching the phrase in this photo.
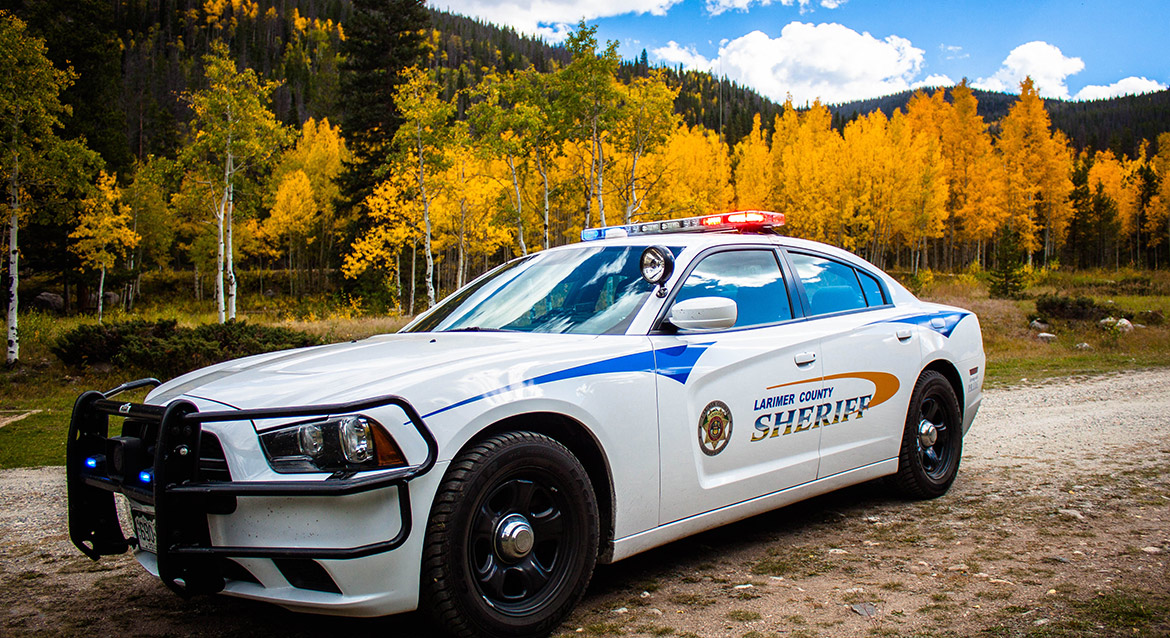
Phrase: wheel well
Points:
(577, 438)
(948, 370)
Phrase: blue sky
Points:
(842, 50)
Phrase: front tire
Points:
(512, 538)
(932, 442)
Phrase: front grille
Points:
(212, 461)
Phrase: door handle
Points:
(805, 358)
(904, 334)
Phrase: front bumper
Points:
(162, 443)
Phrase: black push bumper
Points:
(164, 442)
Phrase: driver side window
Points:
(750, 278)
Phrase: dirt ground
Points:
(1059, 525)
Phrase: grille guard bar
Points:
(182, 501)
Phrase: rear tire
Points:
(932, 442)
(512, 538)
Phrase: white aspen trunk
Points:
(430, 259)
(519, 204)
(544, 178)
(600, 155)
(632, 205)
(459, 274)
(413, 275)
(13, 272)
(398, 281)
(231, 268)
(14, 255)
(101, 293)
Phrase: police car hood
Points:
(418, 366)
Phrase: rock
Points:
(654, 611)
(1124, 325)
(645, 594)
(1039, 326)
(1071, 514)
(747, 586)
(110, 299)
(1001, 581)
(1046, 337)
(982, 575)
(49, 301)
(837, 551)
(621, 610)
(1152, 550)
(868, 610)
(961, 567)
(1083, 346)
(855, 590)
(1107, 322)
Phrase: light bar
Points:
(740, 220)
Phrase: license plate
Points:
(144, 530)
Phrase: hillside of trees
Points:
(384, 154)
(1117, 124)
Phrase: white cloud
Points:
(933, 81)
(552, 20)
(673, 54)
(1128, 86)
(827, 61)
(715, 7)
(1043, 62)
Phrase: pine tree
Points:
(383, 38)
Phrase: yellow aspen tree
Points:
(784, 130)
(974, 176)
(233, 131)
(697, 175)
(809, 178)
(1158, 209)
(320, 153)
(292, 219)
(1037, 167)
(753, 169)
(394, 217)
(921, 214)
(103, 233)
(646, 119)
(425, 132)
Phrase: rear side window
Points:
(831, 286)
(751, 278)
(873, 290)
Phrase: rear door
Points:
(869, 362)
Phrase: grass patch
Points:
(1119, 610)
(741, 615)
(792, 562)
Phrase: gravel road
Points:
(1059, 524)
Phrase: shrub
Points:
(1061, 307)
(92, 344)
(163, 349)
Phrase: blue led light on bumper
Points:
(91, 462)
(145, 476)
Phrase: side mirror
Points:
(704, 313)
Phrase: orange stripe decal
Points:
(885, 384)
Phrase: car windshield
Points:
(588, 290)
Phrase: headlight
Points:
(339, 444)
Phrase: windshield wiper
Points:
(478, 329)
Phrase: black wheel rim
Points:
(520, 583)
(935, 456)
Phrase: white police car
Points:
(582, 404)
